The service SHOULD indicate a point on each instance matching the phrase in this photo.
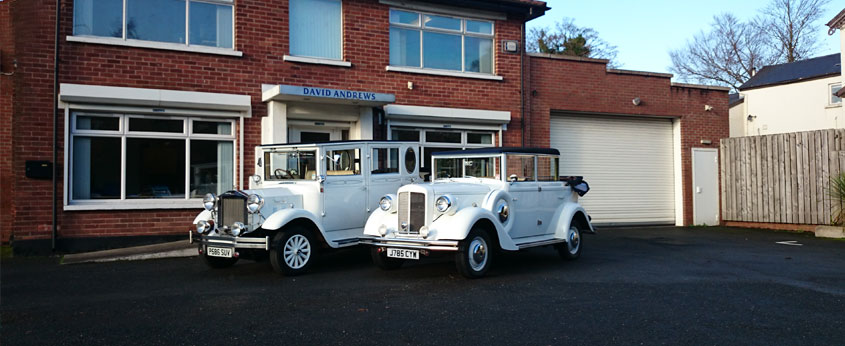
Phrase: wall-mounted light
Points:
(706, 142)
(410, 85)
(637, 101)
(708, 108)
(751, 117)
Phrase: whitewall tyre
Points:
(571, 249)
(292, 251)
(475, 254)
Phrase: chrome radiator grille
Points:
(411, 212)
(231, 209)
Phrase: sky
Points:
(645, 31)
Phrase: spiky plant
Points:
(837, 195)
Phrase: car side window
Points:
(385, 160)
(547, 168)
(343, 162)
(521, 167)
(410, 160)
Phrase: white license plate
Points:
(218, 252)
(403, 253)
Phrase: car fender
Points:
(280, 218)
(204, 215)
(457, 226)
(564, 216)
(378, 218)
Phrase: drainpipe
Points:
(55, 122)
(522, 82)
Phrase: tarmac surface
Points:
(648, 285)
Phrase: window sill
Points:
(835, 105)
(194, 203)
(317, 61)
(154, 45)
(443, 73)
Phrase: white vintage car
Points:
(480, 201)
(303, 197)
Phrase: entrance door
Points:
(313, 134)
(705, 184)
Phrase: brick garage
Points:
(261, 34)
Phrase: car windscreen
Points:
(458, 167)
(290, 165)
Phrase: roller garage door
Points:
(628, 162)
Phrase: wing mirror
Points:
(512, 178)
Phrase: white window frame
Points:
(830, 95)
(462, 32)
(123, 133)
(124, 41)
(316, 59)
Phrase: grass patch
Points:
(6, 252)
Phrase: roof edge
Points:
(701, 86)
(837, 22)
(641, 73)
(567, 57)
(827, 75)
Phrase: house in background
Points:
(838, 22)
(790, 97)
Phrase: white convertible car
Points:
(303, 197)
(480, 201)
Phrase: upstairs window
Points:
(440, 42)
(185, 22)
(315, 28)
(835, 100)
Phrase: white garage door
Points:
(627, 161)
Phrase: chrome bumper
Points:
(419, 244)
(232, 242)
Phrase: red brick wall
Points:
(7, 51)
(586, 86)
(261, 34)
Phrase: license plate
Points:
(403, 253)
(219, 252)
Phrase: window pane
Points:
(212, 165)
(442, 22)
(385, 160)
(479, 54)
(426, 161)
(483, 167)
(404, 17)
(213, 127)
(315, 28)
(286, 165)
(410, 160)
(480, 27)
(522, 166)
(404, 47)
(343, 162)
(156, 20)
(156, 125)
(442, 137)
(833, 98)
(442, 51)
(447, 168)
(547, 168)
(95, 168)
(98, 18)
(155, 168)
(479, 138)
(211, 25)
(85, 122)
(405, 135)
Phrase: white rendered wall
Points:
(791, 107)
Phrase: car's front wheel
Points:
(292, 251)
(571, 249)
(381, 260)
(475, 254)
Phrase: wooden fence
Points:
(781, 178)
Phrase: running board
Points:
(541, 243)
(347, 242)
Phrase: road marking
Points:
(789, 242)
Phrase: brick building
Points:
(156, 105)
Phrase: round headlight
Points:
(443, 203)
(202, 226)
(237, 228)
(209, 201)
(254, 203)
(385, 203)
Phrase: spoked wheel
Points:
(292, 251)
(381, 260)
(475, 254)
(571, 250)
(218, 262)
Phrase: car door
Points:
(551, 192)
(385, 176)
(345, 189)
(523, 187)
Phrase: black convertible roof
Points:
(499, 150)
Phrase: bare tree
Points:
(566, 38)
(728, 54)
(791, 24)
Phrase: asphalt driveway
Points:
(651, 285)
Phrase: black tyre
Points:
(475, 254)
(571, 250)
(218, 262)
(381, 260)
(292, 251)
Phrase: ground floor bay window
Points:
(121, 160)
